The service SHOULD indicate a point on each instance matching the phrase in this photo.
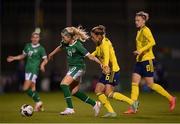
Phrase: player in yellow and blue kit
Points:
(144, 66)
(111, 72)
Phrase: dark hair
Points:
(99, 30)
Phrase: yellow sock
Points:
(159, 89)
(105, 102)
(121, 97)
(134, 91)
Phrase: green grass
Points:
(153, 108)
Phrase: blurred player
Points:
(34, 54)
(71, 43)
(111, 75)
(144, 67)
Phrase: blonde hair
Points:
(143, 14)
(76, 33)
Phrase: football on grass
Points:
(26, 110)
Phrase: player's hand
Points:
(136, 53)
(106, 69)
(42, 68)
(10, 58)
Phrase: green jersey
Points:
(34, 55)
(75, 53)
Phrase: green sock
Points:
(84, 98)
(34, 95)
(67, 95)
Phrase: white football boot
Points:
(67, 111)
(38, 106)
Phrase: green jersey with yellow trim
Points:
(76, 53)
(34, 55)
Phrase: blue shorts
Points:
(113, 78)
(145, 68)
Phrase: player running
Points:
(34, 54)
(71, 43)
(144, 67)
(111, 75)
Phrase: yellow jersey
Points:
(144, 44)
(105, 53)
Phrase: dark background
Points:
(21, 17)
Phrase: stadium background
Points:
(21, 17)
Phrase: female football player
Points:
(34, 54)
(111, 74)
(71, 43)
(144, 67)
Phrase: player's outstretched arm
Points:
(93, 58)
(13, 58)
(50, 56)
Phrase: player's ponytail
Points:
(76, 33)
(80, 33)
(143, 14)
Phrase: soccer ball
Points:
(26, 110)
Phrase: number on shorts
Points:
(107, 76)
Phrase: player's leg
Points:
(136, 77)
(99, 90)
(159, 89)
(30, 87)
(114, 79)
(82, 96)
(36, 98)
(67, 80)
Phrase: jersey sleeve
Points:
(25, 50)
(151, 42)
(43, 53)
(105, 49)
(82, 49)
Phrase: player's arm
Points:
(56, 50)
(19, 57)
(43, 64)
(84, 51)
(151, 42)
(93, 58)
(45, 60)
(106, 52)
(13, 58)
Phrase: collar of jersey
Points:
(34, 46)
(73, 43)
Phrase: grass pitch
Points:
(153, 108)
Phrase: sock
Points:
(159, 89)
(121, 97)
(134, 91)
(84, 98)
(67, 95)
(105, 102)
(34, 95)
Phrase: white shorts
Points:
(30, 76)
